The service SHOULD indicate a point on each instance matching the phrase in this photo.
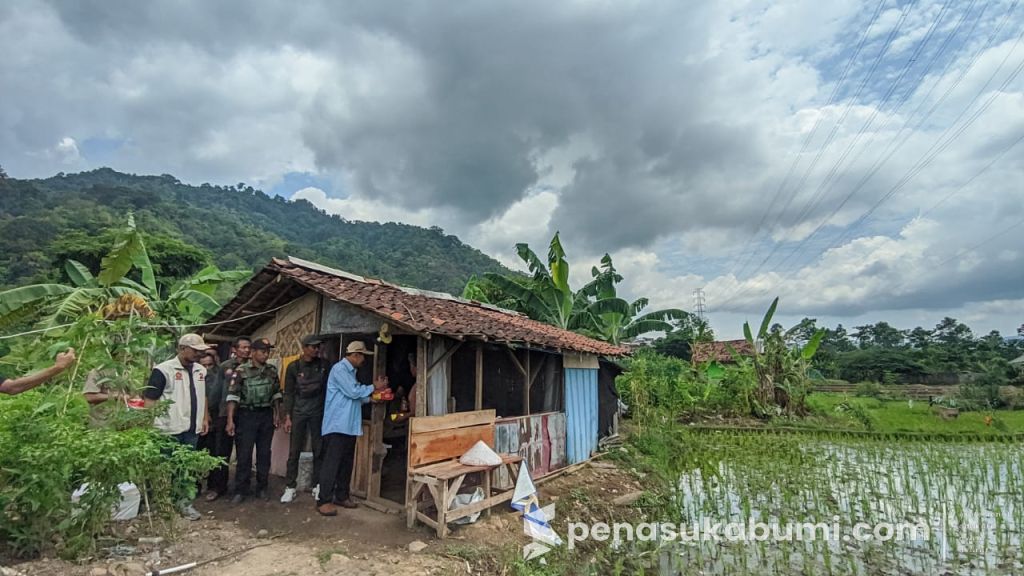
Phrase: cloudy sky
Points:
(861, 160)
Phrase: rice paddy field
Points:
(964, 500)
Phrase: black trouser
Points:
(253, 427)
(304, 422)
(336, 469)
(219, 444)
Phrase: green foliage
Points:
(595, 310)
(678, 342)
(983, 391)
(546, 296)
(113, 293)
(189, 227)
(45, 454)
(781, 369)
(868, 389)
(653, 383)
(874, 364)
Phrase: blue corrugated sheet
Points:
(580, 413)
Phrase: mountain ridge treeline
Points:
(46, 221)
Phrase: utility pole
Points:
(698, 302)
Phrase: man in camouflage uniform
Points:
(305, 385)
(254, 405)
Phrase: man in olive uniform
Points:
(254, 403)
(305, 385)
(241, 348)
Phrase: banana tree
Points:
(112, 293)
(782, 381)
(613, 319)
(86, 293)
(546, 296)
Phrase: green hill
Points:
(43, 222)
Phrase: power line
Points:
(810, 135)
(835, 129)
(895, 144)
(941, 144)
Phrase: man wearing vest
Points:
(254, 402)
(305, 385)
(182, 382)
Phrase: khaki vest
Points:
(179, 414)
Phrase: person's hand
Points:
(277, 420)
(230, 427)
(288, 424)
(205, 428)
(65, 359)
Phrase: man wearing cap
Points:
(254, 402)
(342, 426)
(305, 384)
(181, 381)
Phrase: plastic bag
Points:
(126, 509)
(480, 455)
(305, 479)
(463, 500)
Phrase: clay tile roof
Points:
(420, 310)
(719, 351)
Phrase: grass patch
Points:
(892, 416)
(324, 556)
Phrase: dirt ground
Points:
(273, 539)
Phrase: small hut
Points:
(543, 383)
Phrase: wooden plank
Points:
(377, 414)
(515, 360)
(426, 520)
(361, 466)
(526, 383)
(536, 370)
(419, 424)
(383, 505)
(444, 358)
(421, 376)
(429, 447)
(478, 401)
(480, 506)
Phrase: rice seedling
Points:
(934, 506)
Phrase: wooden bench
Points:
(435, 445)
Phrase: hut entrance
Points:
(399, 363)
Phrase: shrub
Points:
(868, 390)
(1011, 397)
(46, 454)
(655, 382)
(983, 392)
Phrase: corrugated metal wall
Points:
(580, 414)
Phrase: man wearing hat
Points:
(182, 382)
(254, 402)
(342, 426)
(305, 385)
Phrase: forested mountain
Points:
(43, 222)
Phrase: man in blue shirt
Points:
(342, 426)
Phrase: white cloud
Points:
(660, 132)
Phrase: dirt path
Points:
(293, 540)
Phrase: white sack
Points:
(480, 455)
